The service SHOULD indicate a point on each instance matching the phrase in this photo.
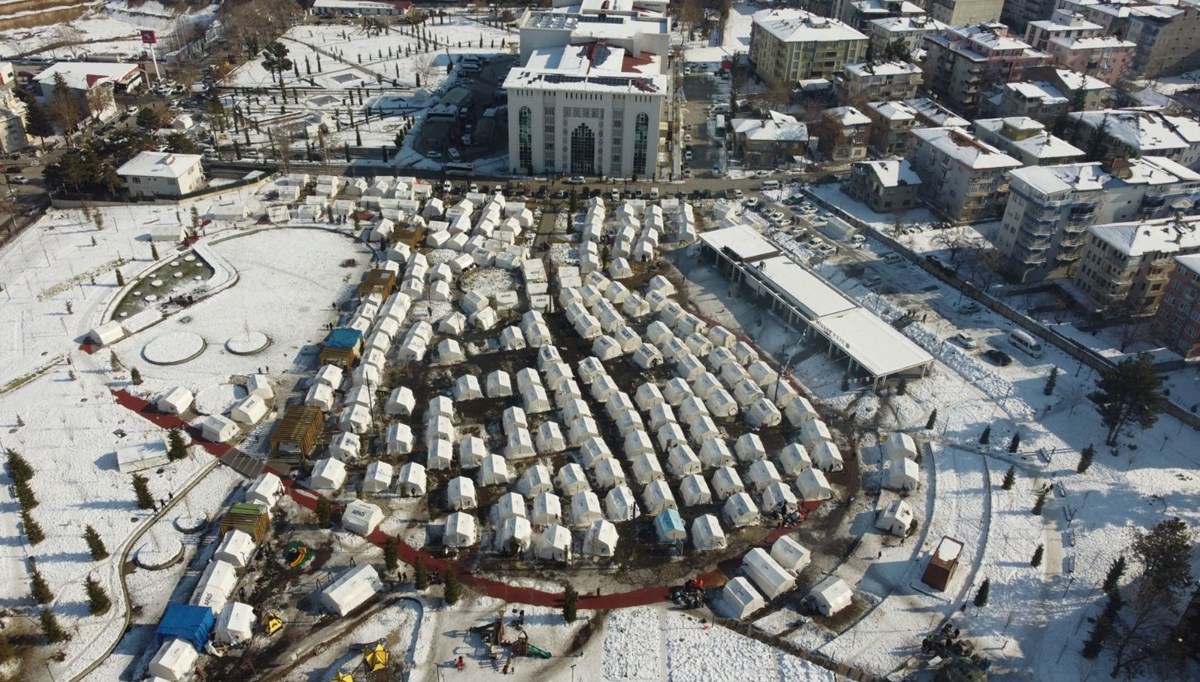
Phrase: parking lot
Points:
(701, 92)
(439, 135)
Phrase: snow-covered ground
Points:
(110, 28)
(735, 37)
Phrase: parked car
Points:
(433, 154)
(751, 202)
(998, 357)
(762, 174)
(969, 308)
(965, 340)
(576, 180)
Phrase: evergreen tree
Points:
(1015, 443)
(25, 496)
(98, 601)
(1115, 571)
(391, 557)
(33, 531)
(1165, 555)
(985, 436)
(324, 513)
(1010, 477)
(18, 468)
(1037, 556)
(38, 122)
(95, 544)
(141, 489)
(570, 603)
(452, 590)
(902, 386)
(1051, 382)
(1085, 459)
(135, 376)
(1040, 501)
(51, 628)
(176, 448)
(357, 137)
(981, 597)
(120, 279)
(153, 251)
(1128, 393)
(932, 420)
(40, 588)
(420, 575)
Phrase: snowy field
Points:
(736, 35)
(110, 28)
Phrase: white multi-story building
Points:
(789, 45)
(1126, 266)
(1050, 207)
(1026, 140)
(1114, 133)
(159, 174)
(909, 31)
(12, 113)
(590, 94)
(962, 178)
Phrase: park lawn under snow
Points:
(112, 28)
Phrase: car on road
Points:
(825, 249)
(614, 195)
(433, 154)
(751, 202)
(872, 281)
(19, 179)
(762, 174)
(775, 215)
(687, 137)
(858, 240)
(576, 180)
(965, 340)
(969, 308)
(687, 172)
(998, 357)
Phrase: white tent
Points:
(215, 586)
(582, 426)
(609, 473)
(440, 455)
(329, 375)
(471, 451)
(515, 535)
(812, 486)
(593, 451)
(703, 430)
(235, 625)
(549, 438)
(378, 477)
(749, 448)
(328, 474)
(638, 443)
(450, 352)
(762, 474)
(412, 480)
(726, 482)
(215, 428)
(553, 543)
(778, 496)
(546, 508)
(647, 396)
(740, 597)
(107, 334)
(351, 590)
(692, 408)
(698, 344)
(361, 517)
(493, 470)
(901, 474)
(461, 530)
(600, 539)
(513, 418)
(174, 661)
(460, 494)
(659, 414)
(345, 446)
(831, 595)
(762, 414)
(236, 548)
(657, 497)
(142, 456)
(715, 453)
(682, 461)
(175, 401)
(740, 510)
(770, 578)
(400, 403)
(440, 406)
(896, 519)
(356, 419)
(694, 490)
(790, 554)
(603, 387)
(646, 356)
(899, 445)
(827, 456)
(571, 479)
(585, 509)
(499, 384)
(265, 490)
(400, 439)
(520, 445)
(467, 388)
(509, 505)
(793, 459)
(589, 369)
(536, 480)
(536, 400)
(707, 534)
(606, 348)
(646, 468)
(814, 431)
(620, 505)
(721, 404)
(670, 434)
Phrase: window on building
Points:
(641, 135)
(525, 138)
(583, 150)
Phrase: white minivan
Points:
(1021, 340)
(770, 185)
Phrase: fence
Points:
(840, 669)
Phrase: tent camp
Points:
(726, 482)
(740, 510)
(461, 530)
(235, 625)
(400, 403)
(174, 661)
(896, 518)
(265, 490)
(793, 459)
(812, 486)
(361, 517)
(571, 479)
(669, 528)
(609, 473)
(762, 474)
(899, 445)
(215, 586)
(790, 554)
(471, 451)
(345, 446)
(620, 505)
(694, 490)
(215, 428)
(682, 461)
(175, 401)
(600, 540)
(827, 456)
(585, 509)
(658, 498)
(715, 453)
(831, 595)
(707, 534)
(515, 535)
(799, 410)
(327, 474)
(770, 578)
(549, 439)
(749, 448)
(546, 508)
(460, 494)
(509, 505)
(778, 496)
(493, 470)
(412, 480)
(535, 481)
(901, 474)
(236, 548)
(553, 543)
(741, 599)
(814, 431)
(378, 477)
(440, 455)
(400, 439)
(351, 590)
(646, 469)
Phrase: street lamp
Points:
(787, 366)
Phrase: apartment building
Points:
(842, 134)
(1166, 38)
(886, 187)
(789, 45)
(1112, 15)
(1026, 140)
(930, 114)
(1106, 57)
(1061, 24)
(1126, 266)
(777, 141)
(962, 178)
(1177, 322)
(160, 174)
(963, 65)
(858, 13)
(12, 113)
(906, 32)
(890, 132)
(868, 81)
(1121, 133)
(1050, 208)
(1039, 100)
(965, 12)
(1019, 14)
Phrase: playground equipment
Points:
(375, 658)
(492, 634)
(342, 677)
(271, 624)
(296, 554)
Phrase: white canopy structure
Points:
(740, 510)
(174, 661)
(461, 530)
(493, 470)
(827, 457)
(694, 490)
(715, 453)
(585, 509)
(646, 469)
(749, 448)
(812, 486)
(762, 474)
(682, 461)
(571, 479)
(499, 384)
(899, 445)
(790, 554)
(520, 445)
(236, 548)
(460, 494)
(609, 473)
(351, 590)
(400, 402)
(620, 505)
(412, 480)
(799, 410)
(740, 597)
(546, 509)
(896, 518)
(762, 414)
(770, 578)
(328, 375)
(638, 443)
(515, 535)
(440, 455)
(265, 491)
(361, 517)
(600, 540)
(356, 419)
(535, 481)
(399, 439)
(675, 391)
(647, 396)
(593, 451)
(471, 451)
(175, 401)
(328, 474)
(778, 496)
(509, 505)
(901, 474)
(345, 446)
(647, 356)
(215, 586)
(553, 543)
(793, 459)
(727, 482)
(235, 625)
(215, 428)
(831, 595)
(707, 534)
(549, 439)
(658, 498)
(814, 431)
(467, 388)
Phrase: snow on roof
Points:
(1084, 177)
(806, 289)
(1037, 142)
(948, 549)
(936, 113)
(975, 42)
(1189, 262)
(1075, 80)
(966, 149)
(1092, 43)
(873, 343)
(1163, 235)
(742, 240)
(590, 67)
(352, 589)
(706, 55)
(778, 127)
(847, 116)
(85, 75)
(909, 24)
(891, 172)
(159, 165)
(867, 69)
(893, 111)
(1143, 130)
(795, 25)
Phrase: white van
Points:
(770, 185)
(1021, 340)
(653, 194)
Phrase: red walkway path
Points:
(493, 588)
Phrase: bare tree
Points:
(65, 109)
(280, 140)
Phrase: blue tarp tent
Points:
(669, 526)
(343, 337)
(184, 621)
